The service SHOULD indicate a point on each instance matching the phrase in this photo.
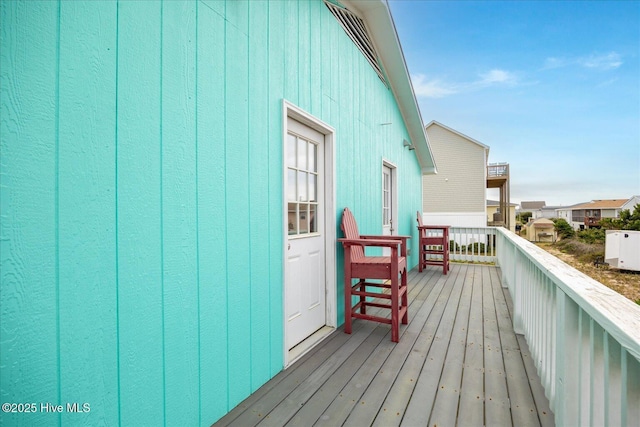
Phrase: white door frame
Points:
(394, 193)
(292, 111)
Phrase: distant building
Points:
(565, 212)
(494, 216)
(531, 206)
(456, 195)
(540, 230)
(546, 212)
(588, 215)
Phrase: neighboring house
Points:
(456, 195)
(540, 230)
(535, 207)
(565, 212)
(494, 216)
(173, 176)
(630, 204)
(588, 215)
(546, 212)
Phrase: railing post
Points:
(517, 292)
(567, 367)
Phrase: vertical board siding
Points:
(28, 239)
(211, 211)
(276, 77)
(179, 228)
(139, 221)
(259, 195)
(238, 209)
(87, 215)
(142, 206)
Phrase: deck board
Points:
(458, 362)
(471, 405)
(496, 395)
(433, 360)
(445, 408)
(351, 395)
(394, 406)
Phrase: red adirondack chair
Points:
(392, 269)
(434, 245)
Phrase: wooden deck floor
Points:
(458, 362)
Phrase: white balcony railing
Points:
(584, 337)
(472, 244)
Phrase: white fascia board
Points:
(379, 23)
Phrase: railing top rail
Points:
(498, 169)
(618, 315)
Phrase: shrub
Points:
(476, 247)
(563, 228)
(584, 252)
(453, 246)
(591, 235)
(524, 217)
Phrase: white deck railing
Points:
(583, 336)
(472, 244)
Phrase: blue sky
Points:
(552, 87)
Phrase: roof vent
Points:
(356, 30)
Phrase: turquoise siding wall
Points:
(142, 210)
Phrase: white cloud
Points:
(551, 63)
(497, 76)
(607, 61)
(434, 88)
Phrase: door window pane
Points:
(303, 219)
(291, 150)
(313, 167)
(312, 187)
(302, 154)
(313, 226)
(302, 187)
(292, 218)
(291, 185)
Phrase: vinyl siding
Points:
(460, 183)
(142, 206)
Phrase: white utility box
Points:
(622, 249)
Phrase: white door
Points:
(387, 201)
(305, 299)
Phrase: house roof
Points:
(468, 138)
(568, 207)
(541, 223)
(382, 31)
(532, 205)
(603, 204)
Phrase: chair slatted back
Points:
(350, 229)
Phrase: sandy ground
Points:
(626, 283)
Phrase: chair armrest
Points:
(392, 241)
(396, 237)
(370, 242)
(391, 237)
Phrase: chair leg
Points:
(347, 300)
(405, 300)
(362, 288)
(395, 309)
